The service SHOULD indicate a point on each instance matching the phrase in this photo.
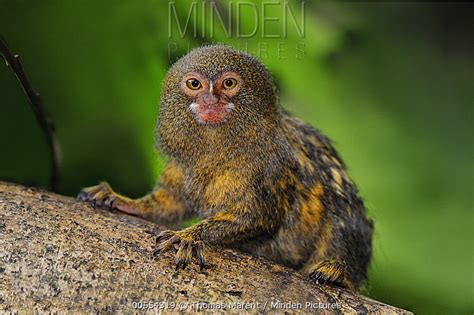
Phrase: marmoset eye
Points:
(230, 83)
(193, 84)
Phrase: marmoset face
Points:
(216, 86)
(211, 96)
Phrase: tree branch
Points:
(13, 61)
(61, 255)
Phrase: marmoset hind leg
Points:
(338, 259)
(162, 205)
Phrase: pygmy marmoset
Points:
(260, 180)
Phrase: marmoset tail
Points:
(260, 180)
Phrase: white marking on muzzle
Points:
(229, 107)
(193, 107)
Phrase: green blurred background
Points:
(391, 83)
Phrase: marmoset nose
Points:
(209, 98)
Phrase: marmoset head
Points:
(215, 92)
(212, 84)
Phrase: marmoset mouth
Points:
(214, 114)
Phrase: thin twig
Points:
(13, 61)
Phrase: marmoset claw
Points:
(186, 248)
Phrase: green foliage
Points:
(391, 83)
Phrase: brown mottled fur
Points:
(262, 181)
